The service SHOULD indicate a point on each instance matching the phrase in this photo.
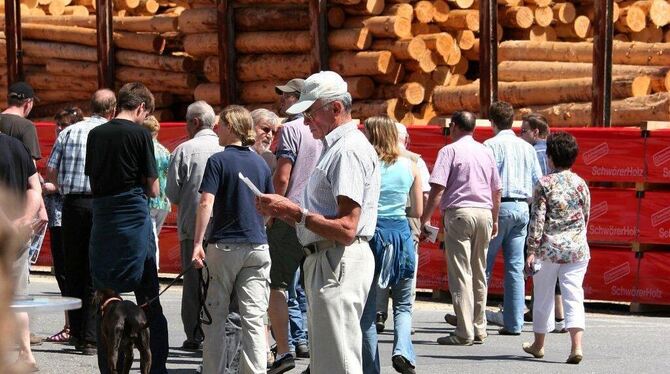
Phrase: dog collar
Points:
(104, 305)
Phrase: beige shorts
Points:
(21, 272)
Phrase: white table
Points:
(45, 304)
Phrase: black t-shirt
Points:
(23, 130)
(16, 165)
(236, 219)
(119, 156)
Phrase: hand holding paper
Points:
(250, 184)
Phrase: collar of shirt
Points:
(205, 132)
(465, 138)
(293, 117)
(540, 143)
(338, 133)
(506, 132)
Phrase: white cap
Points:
(323, 85)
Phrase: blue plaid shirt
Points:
(541, 151)
(68, 156)
(517, 163)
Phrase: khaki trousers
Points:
(245, 269)
(468, 232)
(337, 283)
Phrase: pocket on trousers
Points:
(333, 257)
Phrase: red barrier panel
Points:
(653, 282)
(655, 218)
(658, 156)
(613, 215)
(611, 274)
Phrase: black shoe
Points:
(302, 351)
(306, 371)
(380, 322)
(504, 331)
(451, 319)
(282, 365)
(528, 316)
(402, 365)
(189, 345)
(87, 349)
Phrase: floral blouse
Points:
(162, 155)
(559, 215)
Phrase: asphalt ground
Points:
(614, 342)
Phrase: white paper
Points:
(431, 232)
(250, 184)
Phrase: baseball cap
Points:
(294, 85)
(22, 91)
(322, 85)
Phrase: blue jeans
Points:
(401, 294)
(297, 313)
(512, 227)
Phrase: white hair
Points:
(263, 115)
(200, 109)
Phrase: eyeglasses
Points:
(523, 131)
(268, 130)
(310, 114)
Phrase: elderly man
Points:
(187, 165)
(519, 170)
(266, 124)
(334, 222)
(65, 169)
(297, 154)
(466, 184)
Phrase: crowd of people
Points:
(302, 239)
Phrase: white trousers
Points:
(570, 279)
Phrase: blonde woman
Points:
(237, 252)
(393, 246)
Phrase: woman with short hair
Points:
(393, 246)
(557, 246)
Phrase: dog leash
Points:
(205, 317)
(168, 286)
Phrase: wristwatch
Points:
(303, 216)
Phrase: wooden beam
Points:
(104, 27)
(13, 40)
(318, 32)
(488, 56)
(227, 57)
(602, 60)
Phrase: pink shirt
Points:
(468, 172)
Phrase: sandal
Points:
(62, 337)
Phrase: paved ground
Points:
(614, 342)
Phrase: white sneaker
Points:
(495, 318)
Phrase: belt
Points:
(322, 245)
(514, 200)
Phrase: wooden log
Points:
(382, 26)
(361, 63)
(65, 51)
(79, 69)
(440, 11)
(37, 12)
(126, 4)
(623, 53)
(272, 42)
(539, 3)
(393, 108)
(348, 39)
(400, 10)
(149, 76)
(47, 81)
(644, 85)
(519, 17)
(267, 2)
(58, 96)
(258, 91)
(178, 64)
(461, 4)
(579, 29)
(273, 67)
(75, 10)
(543, 15)
(465, 39)
(631, 19)
(345, 2)
(208, 92)
(366, 8)
(163, 99)
(633, 111)
(535, 33)
(424, 28)
(427, 63)
(163, 115)
(449, 99)
(621, 38)
(360, 87)
(441, 75)
(65, 34)
(49, 110)
(424, 11)
(666, 36)
(412, 93)
(395, 75)
(424, 115)
(461, 19)
(139, 42)
(200, 45)
(657, 11)
(589, 11)
(56, 7)
(650, 34)
(406, 49)
(199, 20)
(441, 43)
(269, 19)
(461, 67)
(158, 23)
(336, 17)
(564, 12)
(514, 71)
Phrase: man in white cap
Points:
(334, 221)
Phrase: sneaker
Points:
(504, 331)
(528, 316)
(380, 322)
(479, 339)
(495, 318)
(402, 365)
(559, 327)
(302, 351)
(282, 364)
(453, 340)
(87, 349)
(189, 345)
(451, 319)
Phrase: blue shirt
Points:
(396, 181)
(541, 151)
(235, 218)
(517, 164)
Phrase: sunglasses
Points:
(269, 130)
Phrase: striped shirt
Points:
(348, 166)
(541, 152)
(517, 164)
(68, 156)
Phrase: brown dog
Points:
(123, 324)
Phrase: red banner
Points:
(611, 274)
(613, 215)
(655, 218)
(658, 156)
(653, 285)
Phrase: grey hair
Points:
(200, 109)
(262, 115)
(345, 99)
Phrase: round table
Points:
(45, 304)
